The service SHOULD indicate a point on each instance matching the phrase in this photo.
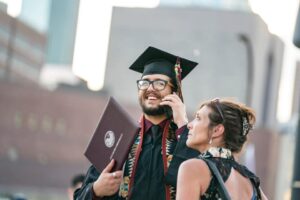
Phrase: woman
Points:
(219, 130)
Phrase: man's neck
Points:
(155, 119)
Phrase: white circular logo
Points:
(109, 139)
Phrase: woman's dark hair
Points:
(237, 119)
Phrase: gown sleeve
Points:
(181, 153)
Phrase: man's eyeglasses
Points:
(216, 102)
(159, 84)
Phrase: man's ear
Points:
(218, 130)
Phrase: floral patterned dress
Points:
(224, 161)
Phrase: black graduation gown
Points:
(149, 176)
(155, 175)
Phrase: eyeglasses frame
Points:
(151, 83)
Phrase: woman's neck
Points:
(217, 152)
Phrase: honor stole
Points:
(168, 146)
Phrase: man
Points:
(151, 169)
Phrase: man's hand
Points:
(108, 183)
(178, 108)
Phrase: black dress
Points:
(224, 161)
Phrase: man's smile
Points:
(151, 97)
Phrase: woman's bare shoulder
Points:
(194, 164)
(195, 168)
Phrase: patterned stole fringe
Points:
(170, 146)
(124, 187)
(129, 168)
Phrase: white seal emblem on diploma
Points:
(109, 139)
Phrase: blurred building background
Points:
(61, 59)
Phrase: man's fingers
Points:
(170, 101)
(167, 103)
(172, 97)
(118, 174)
(109, 167)
(116, 181)
(176, 96)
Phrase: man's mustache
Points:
(155, 94)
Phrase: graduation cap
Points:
(156, 61)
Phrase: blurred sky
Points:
(279, 15)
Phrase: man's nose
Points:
(151, 87)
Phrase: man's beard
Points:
(159, 110)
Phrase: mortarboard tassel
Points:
(178, 71)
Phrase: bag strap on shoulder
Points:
(221, 187)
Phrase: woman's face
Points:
(199, 132)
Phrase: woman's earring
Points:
(210, 141)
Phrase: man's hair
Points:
(78, 178)
(174, 83)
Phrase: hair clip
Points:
(246, 126)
